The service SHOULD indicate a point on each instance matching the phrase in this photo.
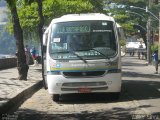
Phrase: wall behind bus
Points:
(8, 63)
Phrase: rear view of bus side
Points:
(82, 55)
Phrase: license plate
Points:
(84, 90)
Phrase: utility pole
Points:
(159, 39)
(149, 36)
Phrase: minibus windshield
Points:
(88, 39)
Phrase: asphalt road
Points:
(140, 97)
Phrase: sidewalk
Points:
(140, 65)
(142, 84)
(13, 92)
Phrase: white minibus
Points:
(82, 55)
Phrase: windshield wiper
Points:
(99, 52)
(72, 52)
(78, 56)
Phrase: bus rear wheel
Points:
(55, 97)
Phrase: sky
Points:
(3, 10)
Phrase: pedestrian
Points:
(27, 53)
(155, 59)
(140, 51)
(33, 53)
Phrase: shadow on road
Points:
(90, 98)
(141, 90)
(111, 114)
(133, 64)
(137, 90)
(133, 61)
(136, 74)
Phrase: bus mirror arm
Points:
(44, 48)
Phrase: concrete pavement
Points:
(13, 92)
(142, 84)
(139, 99)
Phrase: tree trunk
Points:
(18, 34)
(40, 31)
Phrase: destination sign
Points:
(74, 29)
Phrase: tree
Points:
(18, 34)
(40, 31)
(122, 5)
(29, 16)
(128, 20)
(34, 19)
(40, 26)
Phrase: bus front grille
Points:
(92, 89)
(80, 84)
(84, 74)
(72, 86)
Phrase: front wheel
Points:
(45, 85)
(55, 97)
(115, 96)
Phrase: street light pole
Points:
(149, 40)
(149, 30)
(159, 37)
(151, 13)
(136, 14)
(148, 35)
(148, 26)
(146, 10)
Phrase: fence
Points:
(8, 63)
(12, 62)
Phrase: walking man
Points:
(27, 53)
(155, 59)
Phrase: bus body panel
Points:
(59, 84)
(55, 84)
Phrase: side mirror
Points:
(45, 37)
(44, 48)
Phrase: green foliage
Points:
(57, 8)
(29, 19)
(128, 19)
(128, 27)
(122, 42)
(11, 3)
(28, 16)
(51, 9)
(131, 2)
(121, 17)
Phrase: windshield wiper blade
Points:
(100, 53)
(78, 56)
(72, 52)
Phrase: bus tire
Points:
(115, 96)
(55, 97)
(45, 85)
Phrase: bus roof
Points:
(82, 17)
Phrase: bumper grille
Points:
(82, 84)
(92, 89)
(84, 74)
(74, 86)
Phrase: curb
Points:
(13, 104)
